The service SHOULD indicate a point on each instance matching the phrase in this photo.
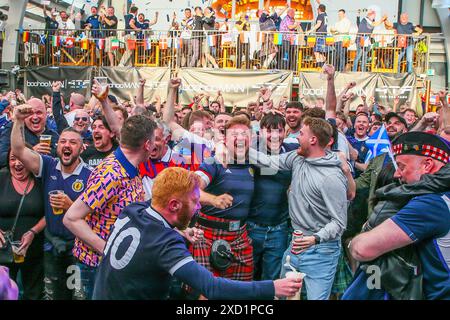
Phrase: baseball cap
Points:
(422, 144)
(390, 115)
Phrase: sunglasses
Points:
(81, 118)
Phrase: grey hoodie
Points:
(318, 193)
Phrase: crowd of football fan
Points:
(200, 23)
(265, 170)
(156, 200)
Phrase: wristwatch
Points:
(317, 238)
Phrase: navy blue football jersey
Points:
(141, 255)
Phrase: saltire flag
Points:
(42, 39)
(55, 41)
(311, 41)
(114, 44)
(278, 39)
(100, 44)
(84, 44)
(379, 143)
(26, 36)
(329, 41)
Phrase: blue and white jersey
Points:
(426, 220)
(141, 255)
(236, 180)
(72, 184)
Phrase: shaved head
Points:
(76, 101)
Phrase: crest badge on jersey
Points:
(251, 171)
(78, 185)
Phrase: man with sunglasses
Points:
(81, 120)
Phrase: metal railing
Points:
(383, 52)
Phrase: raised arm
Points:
(221, 101)
(331, 93)
(169, 110)
(140, 94)
(30, 159)
(155, 19)
(109, 113)
(61, 121)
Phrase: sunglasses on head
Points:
(81, 118)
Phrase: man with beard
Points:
(161, 158)
(294, 112)
(417, 217)
(268, 224)
(157, 252)
(104, 143)
(317, 205)
(114, 184)
(362, 207)
(358, 141)
(69, 174)
(228, 223)
(395, 125)
(35, 126)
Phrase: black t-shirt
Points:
(50, 24)
(197, 26)
(93, 157)
(30, 214)
(141, 255)
(208, 23)
(404, 28)
(106, 26)
(324, 18)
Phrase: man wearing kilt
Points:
(225, 215)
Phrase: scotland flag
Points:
(378, 143)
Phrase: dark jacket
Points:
(61, 121)
(400, 269)
(30, 137)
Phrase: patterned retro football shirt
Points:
(113, 185)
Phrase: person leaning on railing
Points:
(341, 28)
(109, 23)
(130, 24)
(405, 28)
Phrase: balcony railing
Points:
(384, 52)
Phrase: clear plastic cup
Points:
(56, 211)
(19, 256)
(295, 275)
(45, 138)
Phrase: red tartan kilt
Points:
(241, 247)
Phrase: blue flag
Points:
(42, 39)
(378, 143)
